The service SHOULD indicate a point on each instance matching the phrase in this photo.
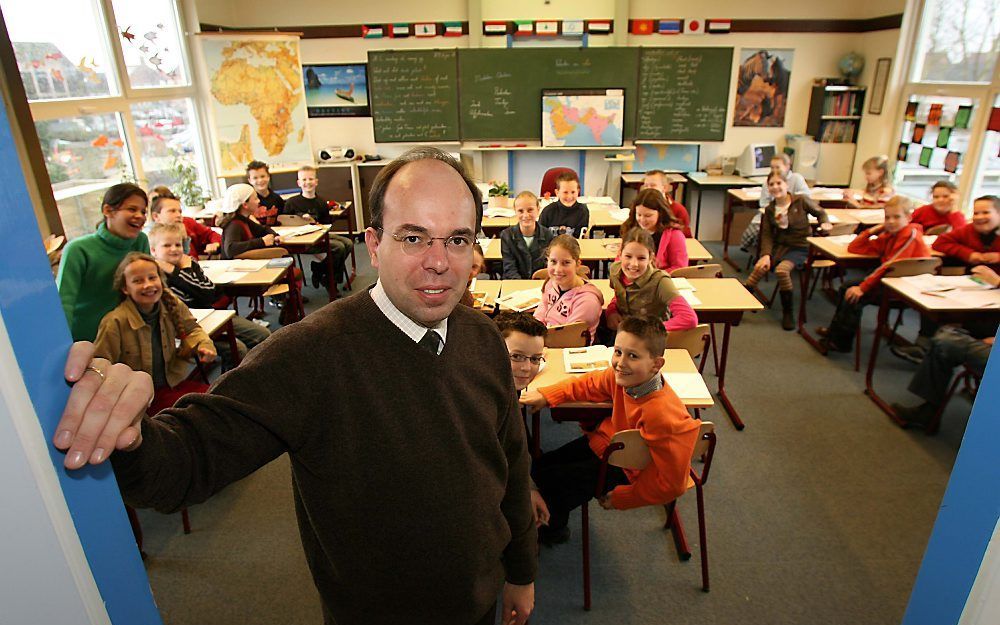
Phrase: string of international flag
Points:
(564, 28)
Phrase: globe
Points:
(851, 65)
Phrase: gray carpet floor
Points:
(818, 512)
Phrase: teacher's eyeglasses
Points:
(417, 243)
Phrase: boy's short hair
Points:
(901, 202)
(156, 197)
(649, 329)
(567, 176)
(527, 194)
(158, 231)
(989, 198)
(784, 158)
(307, 168)
(258, 165)
(656, 172)
(510, 321)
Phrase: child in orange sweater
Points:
(641, 399)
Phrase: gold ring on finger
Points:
(97, 371)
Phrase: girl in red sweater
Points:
(942, 211)
(895, 239)
(651, 212)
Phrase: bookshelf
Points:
(834, 122)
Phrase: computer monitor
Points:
(756, 159)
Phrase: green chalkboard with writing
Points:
(414, 95)
(683, 93)
(501, 89)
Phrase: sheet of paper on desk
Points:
(289, 232)
(486, 243)
(831, 218)
(752, 193)
(690, 297)
(595, 199)
(683, 284)
(221, 276)
(871, 214)
(841, 239)
(246, 264)
(930, 283)
(521, 300)
(688, 385)
(584, 359)
(976, 299)
(499, 212)
(621, 214)
(200, 314)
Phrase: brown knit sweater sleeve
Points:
(520, 560)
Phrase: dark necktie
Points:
(431, 342)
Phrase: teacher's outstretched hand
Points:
(104, 408)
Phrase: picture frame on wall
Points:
(337, 90)
(879, 82)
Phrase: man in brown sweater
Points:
(409, 460)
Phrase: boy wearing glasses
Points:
(640, 399)
(525, 339)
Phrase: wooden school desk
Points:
(253, 283)
(941, 308)
(596, 250)
(692, 391)
(218, 322)
(345, 213)
(720, 300)
(304, 242)
(701, 182)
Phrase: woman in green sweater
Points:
(89, 262)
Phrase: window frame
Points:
(984, 93)
(45, 110)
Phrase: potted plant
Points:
(499, 194)
(188, 187)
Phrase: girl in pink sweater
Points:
(651, 212)
(566, 296)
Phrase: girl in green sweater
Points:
(89, 262)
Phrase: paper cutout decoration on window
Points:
(918, 133)
(911, 111)
(901, 153)
(962, 116)
(951, 162)
(943, 135)
(994, 119)
(925, 157)
(934, 115)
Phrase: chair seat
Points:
(821, 263)
(276, 289)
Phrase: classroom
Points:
(750, 241)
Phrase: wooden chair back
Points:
(574, 334)
(903, 267)
(695, 340)
(704, 444)
(293, 220)
(938, 229)
(264, 253)
(711, 270)
(542, 274)
(634, 454)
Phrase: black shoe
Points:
(911, 353)
(823, 331)
(829, 346)
(787, 319)
(549, 536)
(317, 273)
(278, 302)
(916, 416)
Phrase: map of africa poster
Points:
(257, 103)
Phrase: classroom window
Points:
(959, 41)
(84, 156)
(166, 133)
(988, 176)
(150, 43)
(934, 142)
(60, 48)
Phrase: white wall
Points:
(44, 576)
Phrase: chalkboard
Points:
(414, 95)
(500, 94)
(683, 93)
